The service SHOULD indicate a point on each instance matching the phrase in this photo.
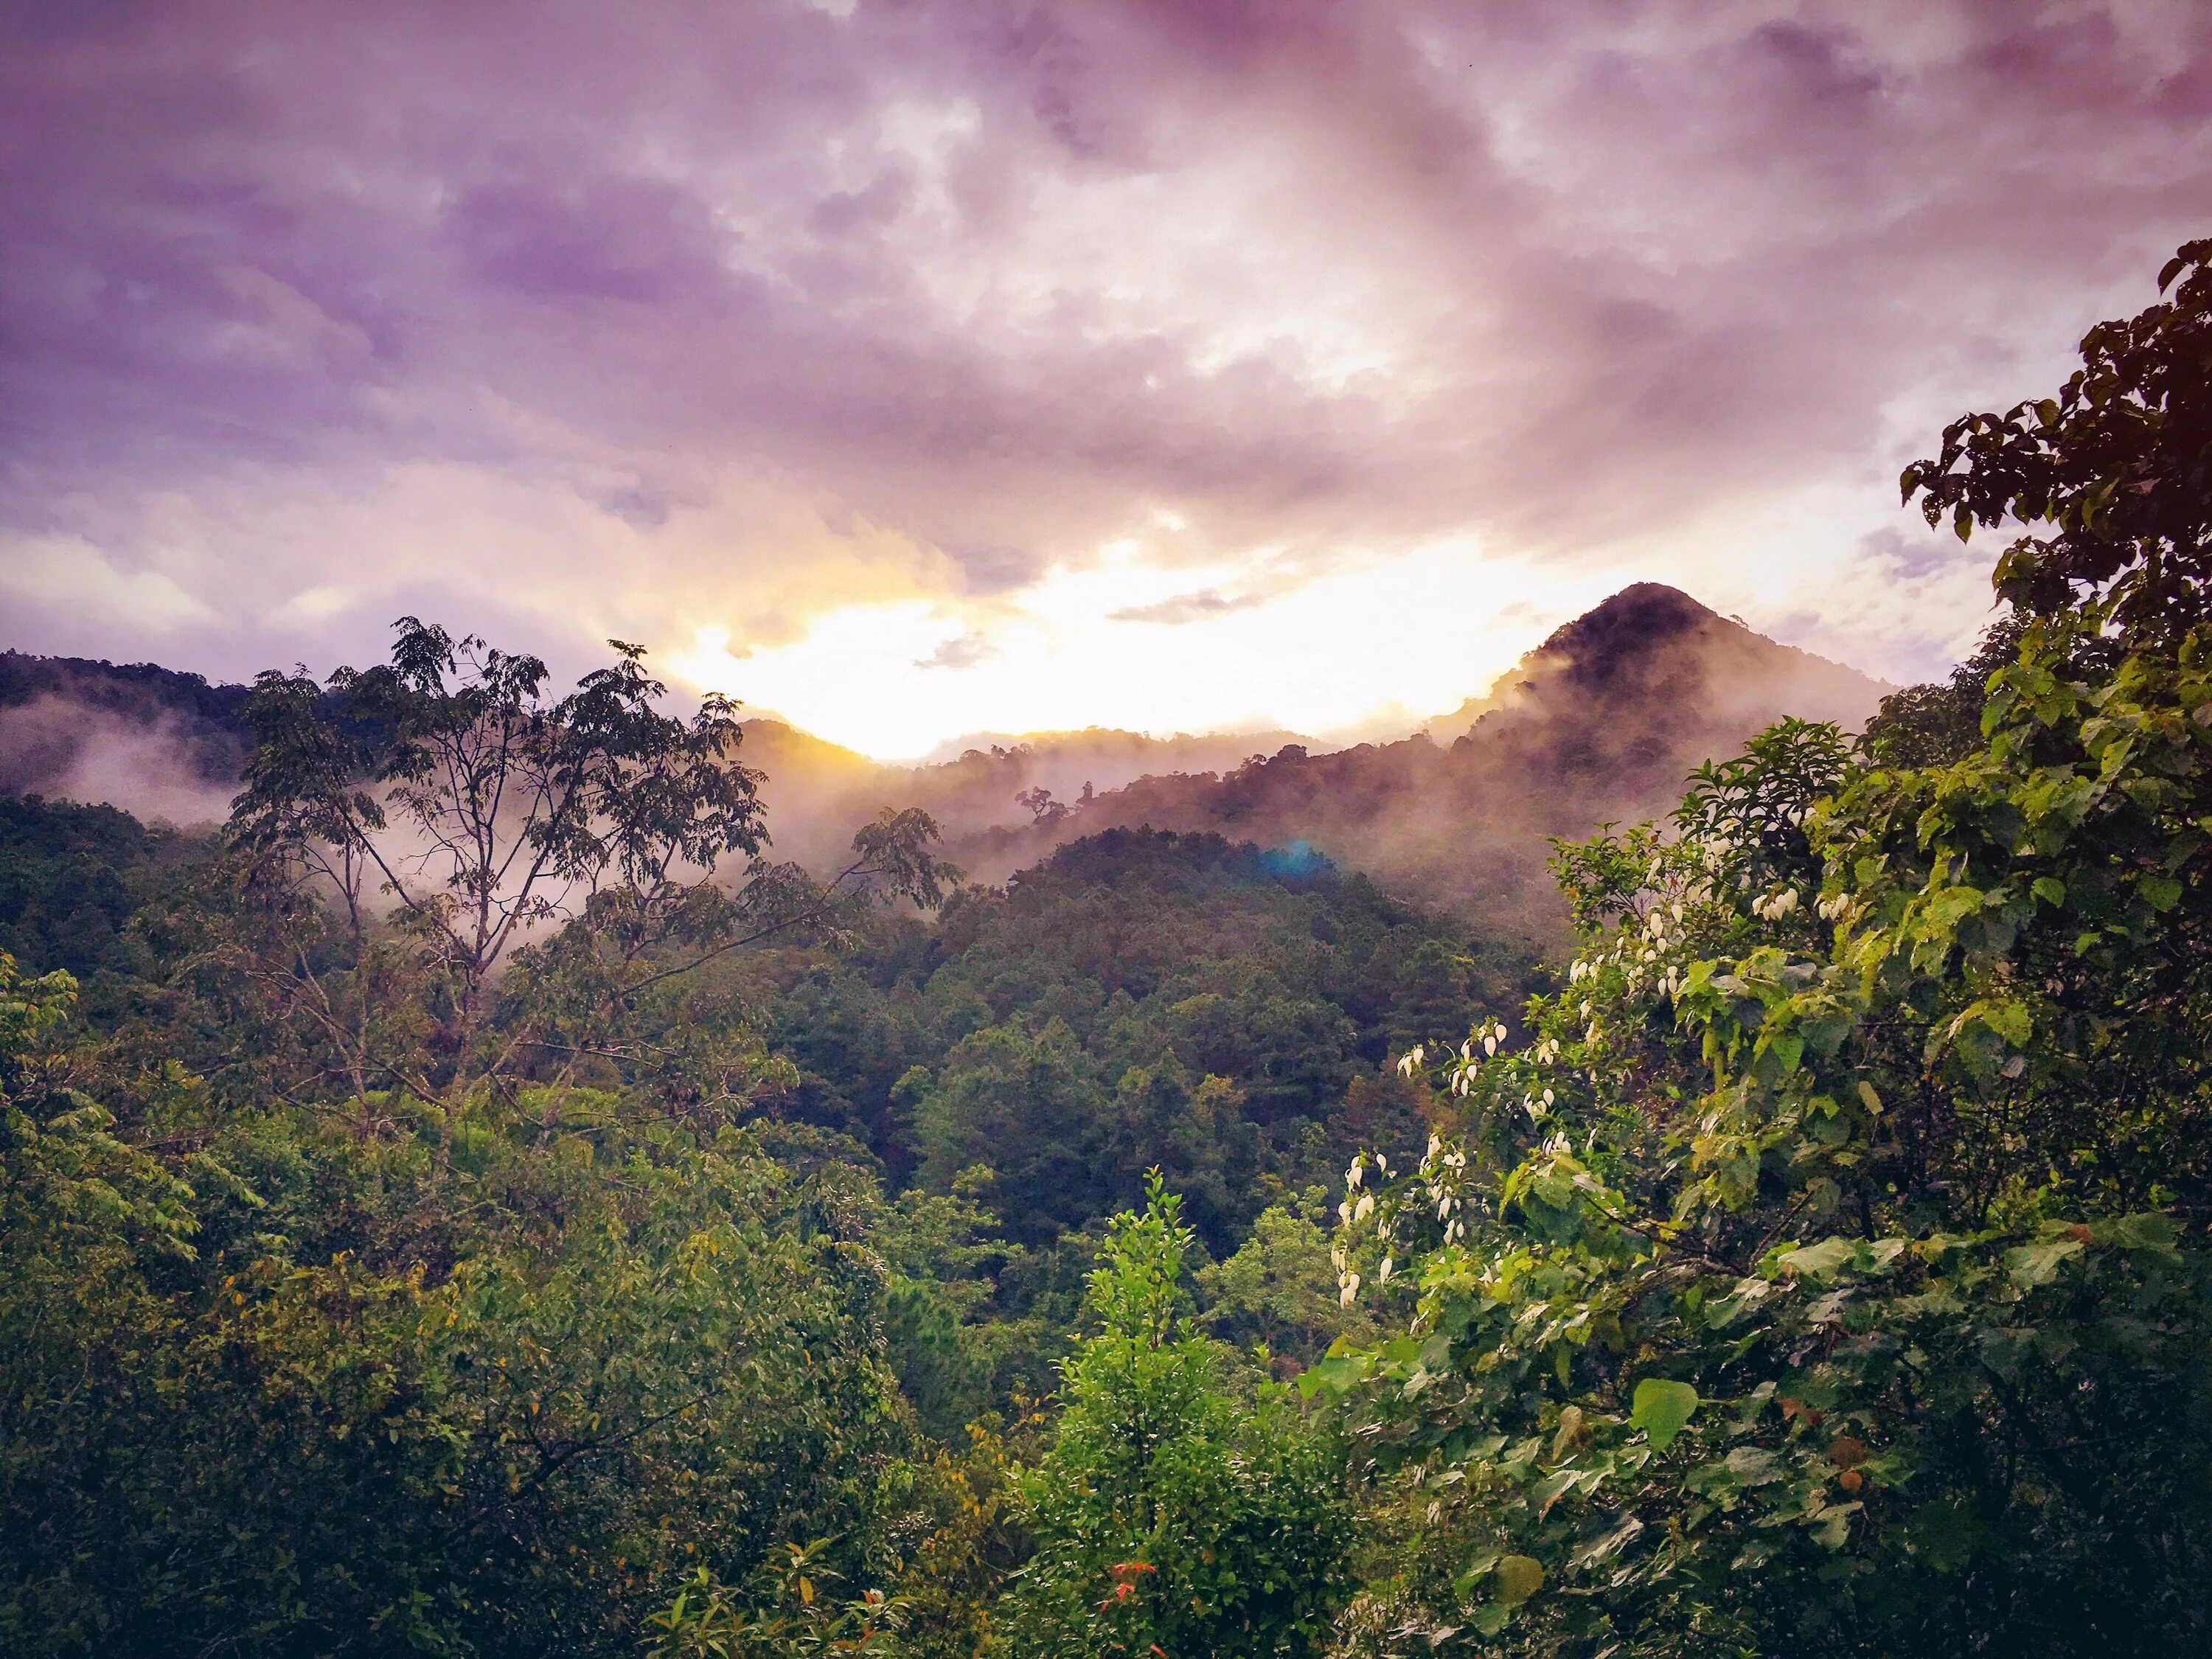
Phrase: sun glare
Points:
(1124, 643)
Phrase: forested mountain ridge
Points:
(1226, 1014)
(155, 742)
(63, 719)
(1598, 724)
(1651, 643)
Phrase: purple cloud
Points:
(942, 296)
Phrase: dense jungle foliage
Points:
(481, 1204)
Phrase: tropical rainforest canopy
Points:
(483, 1204)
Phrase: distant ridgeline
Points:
(153, 741)
(1600, 723)
(140, 691)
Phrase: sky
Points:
(911, 369)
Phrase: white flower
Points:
(1351, 1289)
(1383, 1273)
(1775, 906)
(1364, 1208)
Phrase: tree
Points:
(1829, 1270)
(1279, 1291)
(1182, 1509)
(1430, 999)
(1027, 1107)
(1043, 809)
(2116, 471)
(459, 819)
(1938, 724)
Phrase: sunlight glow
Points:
(1408, 636)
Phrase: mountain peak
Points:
(1655, 646)
(1639, 613)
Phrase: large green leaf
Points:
(1662, 1408)
(1817, 1261)
(2031, 1265)
(1519, 1577)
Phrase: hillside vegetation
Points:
(483, 1201)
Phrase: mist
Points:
(1601, 723)
(66, 749)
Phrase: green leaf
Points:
(1551, 1488)
(1817, 1261)
(1788, 1047)
(1332, 1376)
(2010, 1020)
(1661, 1408)
(2159, 892)
(1519, 1577)
(2051, 889)
(2147, 1231)
(2031, 1265)
(1754, 1466)
(1946, 909)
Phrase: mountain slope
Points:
(158, 744)
(1601, 723)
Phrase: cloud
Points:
(1186, 608)
(964, 651)
(68, 574)
(593, 322)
